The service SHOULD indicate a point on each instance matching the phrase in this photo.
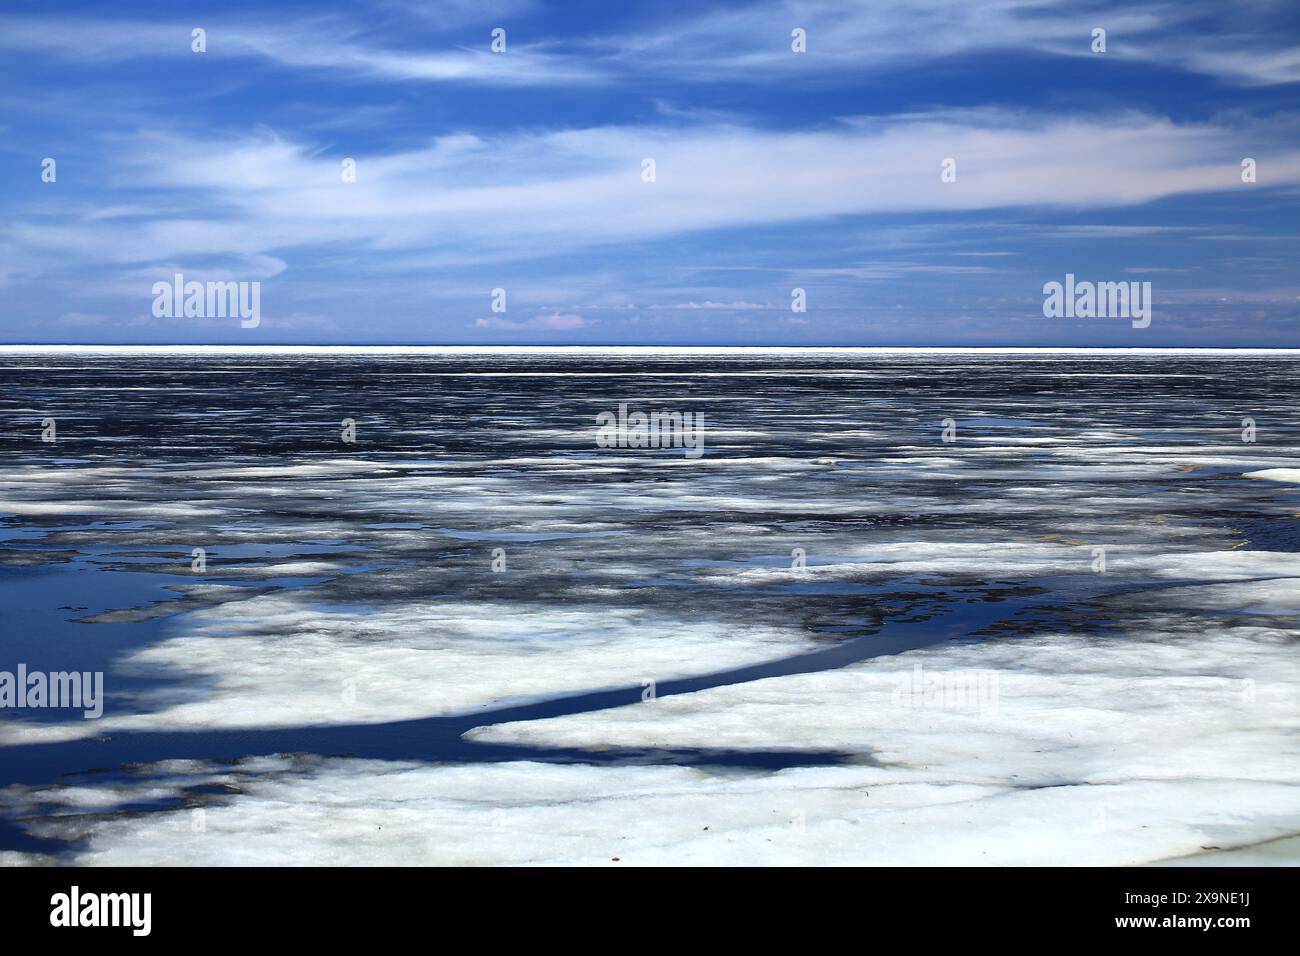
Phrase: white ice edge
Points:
(619, 350)
(1276, 474)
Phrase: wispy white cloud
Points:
(1109, 231)
(741, 44)
(754, 40)
(725, 306)
(556, 322)
(522, 195)
(323, 43)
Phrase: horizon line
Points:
(430, 348)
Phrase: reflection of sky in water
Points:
(41, 607)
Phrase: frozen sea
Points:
(471, 635)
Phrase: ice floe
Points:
(1276, 474)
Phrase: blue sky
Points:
(775, 170)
